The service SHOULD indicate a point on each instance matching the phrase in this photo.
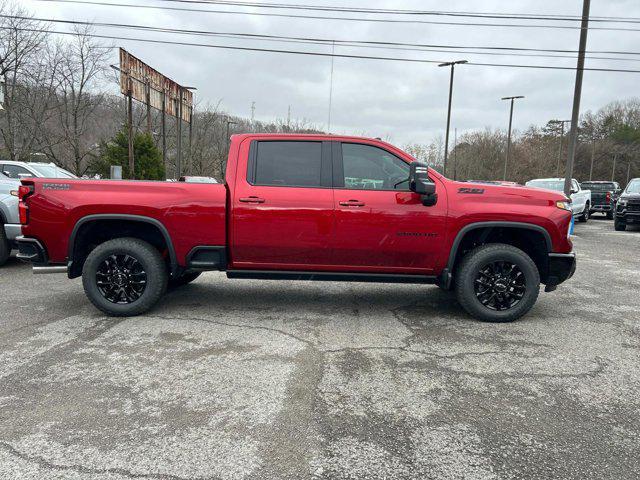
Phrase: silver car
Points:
(9, 219)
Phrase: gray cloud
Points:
(406, 102)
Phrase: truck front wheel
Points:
(124, 277)
(497, 283)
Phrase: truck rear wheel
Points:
(497, 283)
(124, 277)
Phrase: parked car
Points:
(33, 169)
(628, 206)
(315, 207)
(604, 195)
(580, 198)
(9, 221)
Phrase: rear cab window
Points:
(289, 164)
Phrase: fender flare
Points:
(122, 216)
(447, 275)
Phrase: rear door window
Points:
(286, 164)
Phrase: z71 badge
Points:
(56, 186)
(477, 191)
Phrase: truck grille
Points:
(633, 207)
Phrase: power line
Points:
(312, 41)
(318, 54)
(318, 17)
(396, 11)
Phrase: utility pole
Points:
(575, 114)
(289, 117)
(229, 122)
(147, 94)
(506, 159)
(446, 140)
(560, 148)
(253, 112)
(613, 171)
(628, 171)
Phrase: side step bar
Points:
(330, 276)
(50, 269)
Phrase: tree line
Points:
(57, 107)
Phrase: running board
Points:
(330, 276)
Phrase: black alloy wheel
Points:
(500, 285)
(121, 279)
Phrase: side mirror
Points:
(572, 191)
(420, 183)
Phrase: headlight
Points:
(622, 202)
(564, 206)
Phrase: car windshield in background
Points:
(598, 187)
(548, 184)
(50, 171)
(633, 187)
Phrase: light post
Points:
(446, 141)
(506, 159)
(561, 123)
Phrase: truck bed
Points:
(193, 214)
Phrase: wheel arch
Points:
(76, 257)
(484, 232)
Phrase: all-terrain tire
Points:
(186, 277)
(584, 216)
(5, 246)
(619, 226)
(150, 262)
(467, 275)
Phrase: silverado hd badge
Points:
(56, 186)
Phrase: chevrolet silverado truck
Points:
(604, 195)
(302, 207)
(628, 206)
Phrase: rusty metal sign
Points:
(145, 84)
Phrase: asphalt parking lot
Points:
(269, 380)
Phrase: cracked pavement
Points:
(235, 379)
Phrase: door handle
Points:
(352, 203)
(252, 199)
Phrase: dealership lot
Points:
(265, 380)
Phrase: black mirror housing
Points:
(420, 183)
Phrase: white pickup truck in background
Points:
(580, 199)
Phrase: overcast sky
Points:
(406, 102)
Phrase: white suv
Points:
(33, 169)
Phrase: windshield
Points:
(599, 187)
(633, 187)
(548, 184)
(50, 171)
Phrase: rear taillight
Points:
(608, 197)
(24, 191)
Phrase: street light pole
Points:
(446, 141)
(506, 159)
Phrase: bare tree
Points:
(83, 64)
(22, 40)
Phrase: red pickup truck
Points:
(314, 207)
